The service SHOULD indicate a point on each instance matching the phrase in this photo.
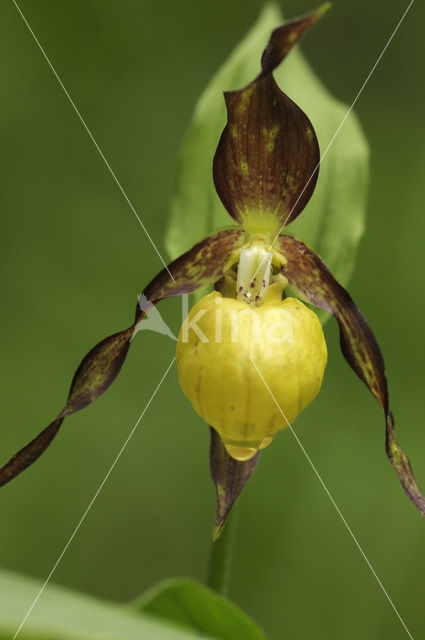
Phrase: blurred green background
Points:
(74, 258)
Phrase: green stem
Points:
(220, 560)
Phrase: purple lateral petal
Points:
(311, 279)
(197, 268)
(267, 160)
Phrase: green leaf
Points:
(333, 221)
(194, 606)
(61, 614)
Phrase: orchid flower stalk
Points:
(265, 170)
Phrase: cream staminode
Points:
(253, 277)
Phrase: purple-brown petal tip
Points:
(283, 38)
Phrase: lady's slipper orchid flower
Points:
(265, 170)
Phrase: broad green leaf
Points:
(61, 614)
(333, 221)
(194, 606)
